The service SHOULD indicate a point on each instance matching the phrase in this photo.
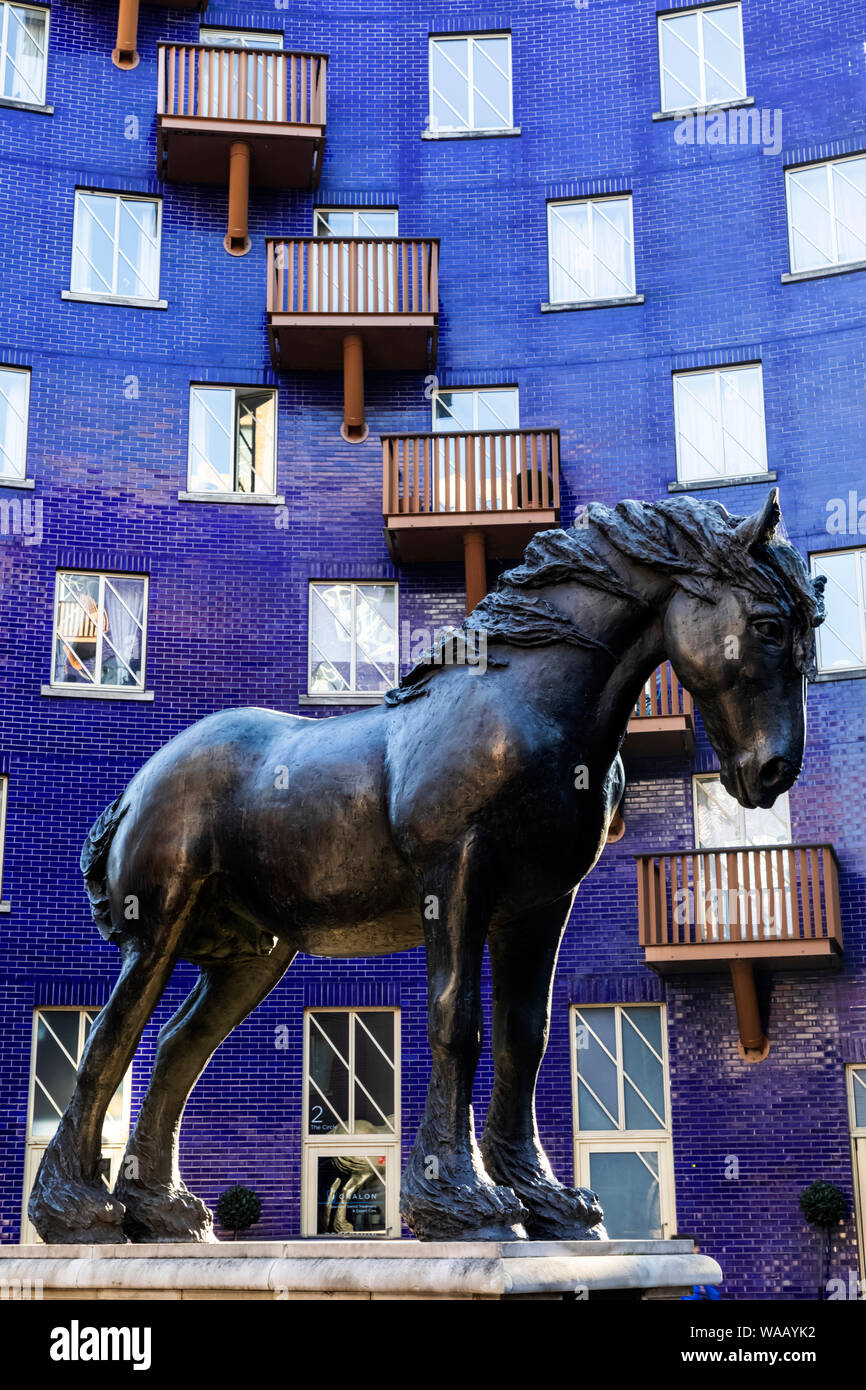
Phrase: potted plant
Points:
(824, 1205)
(238, 1208)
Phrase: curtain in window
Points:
(122, 638)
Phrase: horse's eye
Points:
(770, 628)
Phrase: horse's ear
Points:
(760, 529)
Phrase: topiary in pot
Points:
(824, 1205)
(238, 1208)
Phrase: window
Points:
(827, 214)
(265, 82)
(351, 1122)
(353, 638)
(116, 246)
(719, 421)
(842, 635)
(241, 38)
(59, 1038)
(232, 440)
(590, 249)
(760, 903)
(472, 411)
(701, 57)
(623, 1147)
(23, 53)
(99, 630)
(470, 83)
(476, 409)
(348, 222)
(856, 1079)
(14, 410)
(330, 266)
(4, 798)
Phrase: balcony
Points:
(353, 303)
(125, 54)
(240, 116)
(662, 723)
(708, 909)
(447, 496)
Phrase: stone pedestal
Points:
(356, 1269)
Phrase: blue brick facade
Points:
(228, 585)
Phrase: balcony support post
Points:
(236, 242)
(475, 564)
(125, 54)
(754, 1044)
(354, 427)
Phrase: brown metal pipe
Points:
(475, 565)
(125, 55)
(237, 243)
(354, 427)
(752, 1036)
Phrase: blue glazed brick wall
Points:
(228, 587)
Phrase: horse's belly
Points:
(345, 940)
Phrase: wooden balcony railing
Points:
(662, 721)
(241, 84)
(756, 902)
(359, 275)
(442, 475)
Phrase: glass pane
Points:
(570, 252)
(123, 625)
(859, 1088)
(849, 193)
(613, 263)
(350, 1194)
(76, 634)
(24, 65)
(841, 640)
(723, 62)
(770, 826)
(644, 1071)
(56, 1036)
(718, 816)
(811, 220)
(332, 222)
(330, 638)
(597, 1103)
(93, 253)
(138, 260)
(328, 1080)
(453, 410)
(376, 637)
(449, 84)
(255, 441)
(239, 38)
(681, 80)
(628, 1189)
(382, 224)
(497, 410)
(743, 439)
(13, 424)
(699, 439)
(374, 1073)
(210, 440)
(492, 84)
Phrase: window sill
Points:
(248, 499)
(857, 673)
(791, 276)
(703, 110)
(591, 304)
(469, 134)
(95, 692)
(5, 907)
(79, 297)
(17, 482)
(702, 484)
(27, 106)
(344, 699)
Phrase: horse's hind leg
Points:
(69, 1203)
(523, 959)
(159, 1207)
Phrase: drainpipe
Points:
(354, 427)
(754, 1045)
(475, 565)
(125, 54)
(237, 243)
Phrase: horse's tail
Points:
(94, 863)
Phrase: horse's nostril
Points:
(776, 771)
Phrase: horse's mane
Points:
(697, 544)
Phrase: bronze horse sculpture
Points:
(448, 816)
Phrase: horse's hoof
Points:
(164, 1214)
(563, 1213)
(475, 1208)
(72, 1213)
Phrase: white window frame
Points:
(474, 392)
(242, 38)
(855, 1075)
(593, 200)
(357, 214)
(315, 1146)
(335, 695)
(761, 464)
(6, 6)
(814, 558)
(35, 1145)
(701, 10)
(587, 1142)
(115, 295)
(101, 575)
(433, 125)
(828, 165)
(199, 388)
(4, 805)
(5, 369)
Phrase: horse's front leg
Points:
(523, 958)
(446, 1193)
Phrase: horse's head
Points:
(744, 651)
